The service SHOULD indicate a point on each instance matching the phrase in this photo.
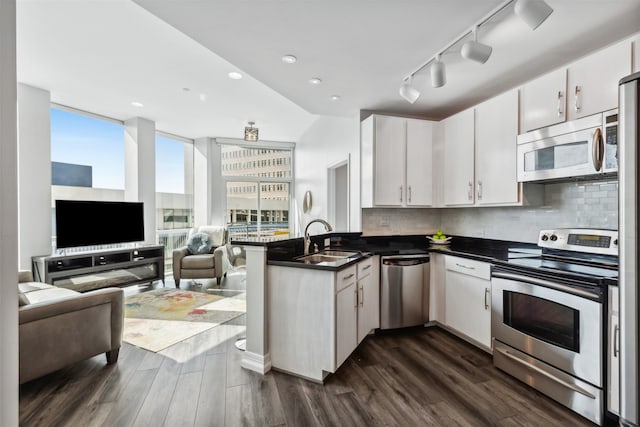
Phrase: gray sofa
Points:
(58, 327)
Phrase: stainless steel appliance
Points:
(629, 121)
(404, 291)
(549, 314)
(581, 148)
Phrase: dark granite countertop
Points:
(282, 252)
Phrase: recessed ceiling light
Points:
(315, 81)
(235, 75)
(289, 59)
(137, 104)
(186, 89)
(203, 97)
(335, 97)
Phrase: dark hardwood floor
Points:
(420, 377)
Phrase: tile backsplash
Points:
(585, 204)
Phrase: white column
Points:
(188, 173)
(8, 218)
(34, 173)
(209, 193)
(256, 356)
(140, 170)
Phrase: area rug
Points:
(160, 318)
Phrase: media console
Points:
(86, 271)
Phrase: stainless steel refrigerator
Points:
(629, 199)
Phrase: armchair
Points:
(58, 327)
(201, 266)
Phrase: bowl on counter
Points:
(439, 241)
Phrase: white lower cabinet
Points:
(346, 322)
(468, 299)
(318, 317)
(613, 352)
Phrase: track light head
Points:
(532, 12)
(438, 73)
(408, 92)
(476, 51)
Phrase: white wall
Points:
(8, 218)
(34, 173)
(327, 142)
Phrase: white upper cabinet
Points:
(419, 164)
(458, 171)
(585, 87)
(396, 162)
(389, 154)
(636, 54)
(543, 100)
(496, 122)
(592, 82)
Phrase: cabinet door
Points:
(496, 132)
(636, 54)
(368, 299)
(593, 81)
(346, 319)
(419, 163)
(389, 166)
(543, 101)
(468, 306)
(613, 387)
(459, 159)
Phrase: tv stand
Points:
(85, 271)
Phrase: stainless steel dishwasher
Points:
(404, 291)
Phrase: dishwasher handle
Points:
(404, 262)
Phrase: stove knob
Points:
(553, 237)
(544, 238)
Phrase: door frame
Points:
(331, 190)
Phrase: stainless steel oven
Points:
(580, 148)
(548, 317)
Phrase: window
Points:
(87, 158)
(257, 207)
(174, 193)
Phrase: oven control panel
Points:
(581, 240)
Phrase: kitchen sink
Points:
(328, 257)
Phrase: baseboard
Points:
(256, 362)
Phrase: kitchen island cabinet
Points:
(318, 317)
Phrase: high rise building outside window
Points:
(258, 182)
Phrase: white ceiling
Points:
(101, 55)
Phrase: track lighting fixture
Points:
(407, 91)
(438, 73)
(476, 51)
(532, 12)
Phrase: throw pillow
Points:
(22, 299)
(199, 243)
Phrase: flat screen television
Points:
(88, 223)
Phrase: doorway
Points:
(338, 194)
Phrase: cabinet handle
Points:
(361, 297)
(486, 304)
(616, 341)
(367, 267)
(479, 190)
(348, 277)
(409, 198)
(560, 109)
(401, 194)
(465, 266)
(575, 98)
(470, 194)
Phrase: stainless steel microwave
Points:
(581, 148)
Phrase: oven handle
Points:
(546, 283)
(573, 387)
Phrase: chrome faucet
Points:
(307, 239)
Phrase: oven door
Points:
(574, 154)
(550, 321)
